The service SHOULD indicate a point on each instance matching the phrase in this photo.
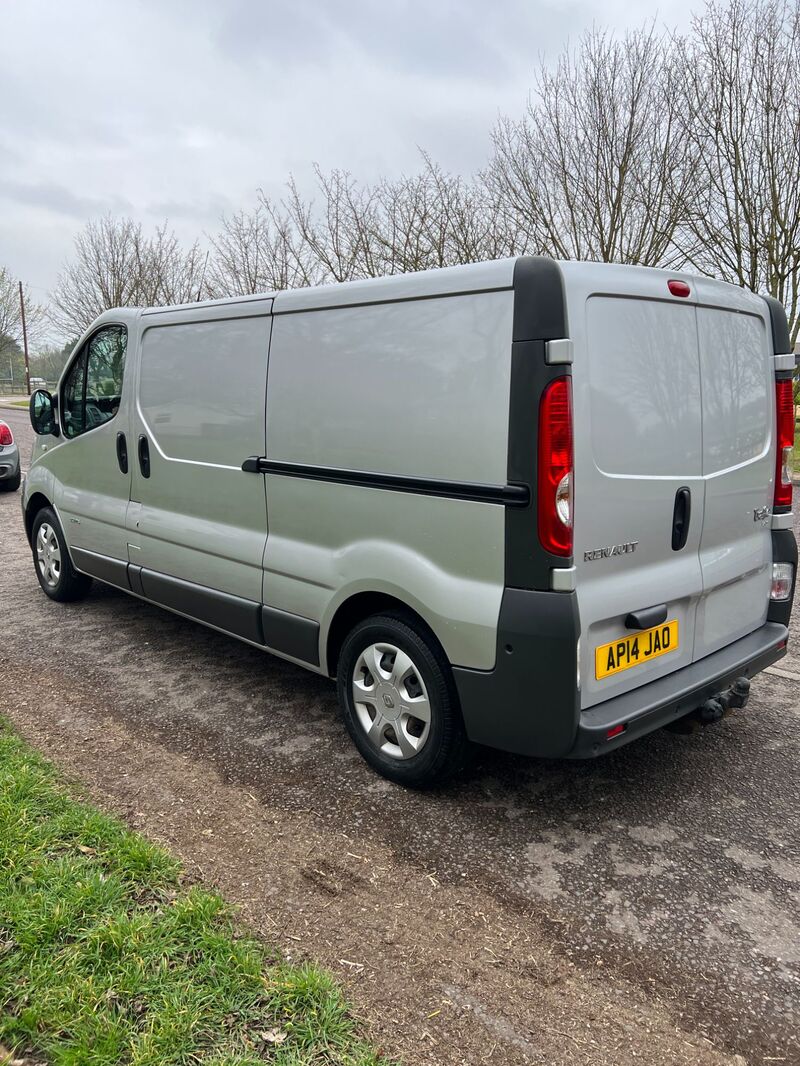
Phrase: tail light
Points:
(784, 408)
(782, 581)
(555, 474)
(5, 434)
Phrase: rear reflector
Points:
(678, 288)
(6, 436)
(784, 434)
(615, 730)
(554, 478)
(782, 577)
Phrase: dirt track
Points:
(641, 908)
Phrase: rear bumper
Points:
(669, 698)
(9, 462)
(529, 703)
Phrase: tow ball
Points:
(714, 708)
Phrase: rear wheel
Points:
(11, 484)
(54, 569)
(399, 702)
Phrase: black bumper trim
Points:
(528, 704)
(669, 698)
(784, 550)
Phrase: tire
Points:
(418, 752)
(12, 484)
(57, 576)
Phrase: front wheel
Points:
(57, 576)
(399, 702)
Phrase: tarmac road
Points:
(671, 867)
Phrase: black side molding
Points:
(291, 634)
(269, 627)
(111, 571)
(507, 495)
(220, 609)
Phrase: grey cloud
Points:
(60, 200)
(201, 212)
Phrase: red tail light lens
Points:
(555, 474)
(784, 432)
(5, 434)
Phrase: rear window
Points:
(645, 379)
(737, 379)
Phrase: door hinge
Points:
(558, 352)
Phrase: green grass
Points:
(107, 956)
(17, 403)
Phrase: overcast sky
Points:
(183, 108)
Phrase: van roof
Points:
(447, 281)
(469, 278)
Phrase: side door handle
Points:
(122, 453)
(681, 516)
(144, 455)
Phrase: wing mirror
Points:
(44, 413)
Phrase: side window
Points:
(93, 387)
(72, 404)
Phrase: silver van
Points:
(535, 505)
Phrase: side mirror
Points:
(43, 413)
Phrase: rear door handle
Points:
(122, 453)
(144, 455)
(646, 619)
(681, 516)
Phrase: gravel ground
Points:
(645, 906)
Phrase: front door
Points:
(92, 478)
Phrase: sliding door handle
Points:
(144, 455)
(122, 453)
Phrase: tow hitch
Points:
(713, 709)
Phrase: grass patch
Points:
(17, 403)
(106, 956)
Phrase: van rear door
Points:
(674, 468)
(638, 475)
(738, 399)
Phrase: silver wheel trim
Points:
(48, 555)
(391, 701)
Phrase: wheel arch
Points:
(37, 501)
(363, 605)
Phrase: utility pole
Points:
(25, 340)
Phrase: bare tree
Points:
(597, 168)
(11, 318)
(259, 251)
(117, 265)
(742, 64)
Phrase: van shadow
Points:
(274, 728)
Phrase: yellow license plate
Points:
(635, 649)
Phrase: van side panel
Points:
(420, 389)
(444, 558)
